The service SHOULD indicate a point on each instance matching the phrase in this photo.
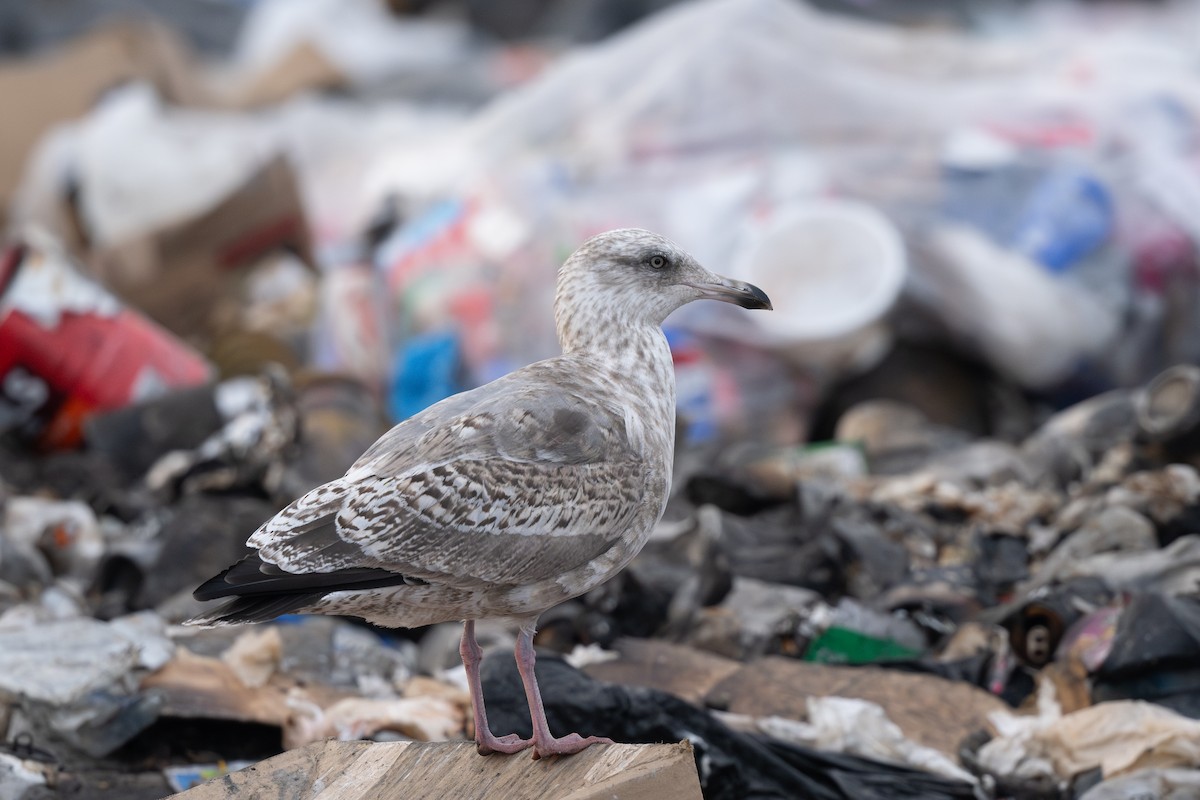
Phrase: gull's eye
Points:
(657, 262)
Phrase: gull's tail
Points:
(261, 591)
(252, 609)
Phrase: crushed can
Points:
(69, 349)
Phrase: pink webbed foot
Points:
(567, 745)
(485, 741)
(544, 743)
(510, 743)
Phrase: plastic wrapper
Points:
(1118, 737)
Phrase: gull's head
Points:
(632, 276)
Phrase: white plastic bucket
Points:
(833, 270)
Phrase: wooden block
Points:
(333, 770)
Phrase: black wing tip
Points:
(243, 610)
(217, 587)
(252, 577)
(212, 588)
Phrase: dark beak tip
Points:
(740, 293)
(757, 299)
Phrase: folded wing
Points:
(518, 485)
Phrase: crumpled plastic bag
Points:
(143, 166)
(1119, 737)
(1030, 325)
(1161, 784)
(49, 537)
(861, 728)
(361, 37)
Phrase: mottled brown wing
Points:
(519, 486)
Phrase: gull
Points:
(505, 500)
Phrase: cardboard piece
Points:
(333, 770)
(63, 83)
(931, 711)
(303, 68)
(186, 277)
(198, 687)
(683, 671)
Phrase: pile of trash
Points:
(935, 531)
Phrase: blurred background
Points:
(995, 205)
(242, 237)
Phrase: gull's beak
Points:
(727, 290)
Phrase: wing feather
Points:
(518, 484)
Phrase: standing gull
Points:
(508, 499)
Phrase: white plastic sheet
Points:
(861, 728)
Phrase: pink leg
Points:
(544, 744)
(485, 742)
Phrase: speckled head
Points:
(634, 277)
